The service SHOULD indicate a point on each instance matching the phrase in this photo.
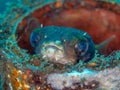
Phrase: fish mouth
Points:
(52, 52)
(56, 53)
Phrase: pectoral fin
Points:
(104, 43)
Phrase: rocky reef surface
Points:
(20, 70)
(108, 79)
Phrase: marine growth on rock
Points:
(60, 44)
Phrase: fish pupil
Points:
(81, 47)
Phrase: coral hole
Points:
(100, 19)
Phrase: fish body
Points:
(63, 45)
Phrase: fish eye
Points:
(34, 39)
(81, 47)
(84, 50)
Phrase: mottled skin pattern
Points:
(62, 44)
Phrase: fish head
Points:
(62, 45)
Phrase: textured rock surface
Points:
(108, 79)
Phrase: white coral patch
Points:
(108, 79)
(60, 81)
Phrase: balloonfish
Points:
(62, 45)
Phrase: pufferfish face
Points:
(63, 45)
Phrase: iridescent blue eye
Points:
(34, 39)
(81, 47)
(85, 50)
